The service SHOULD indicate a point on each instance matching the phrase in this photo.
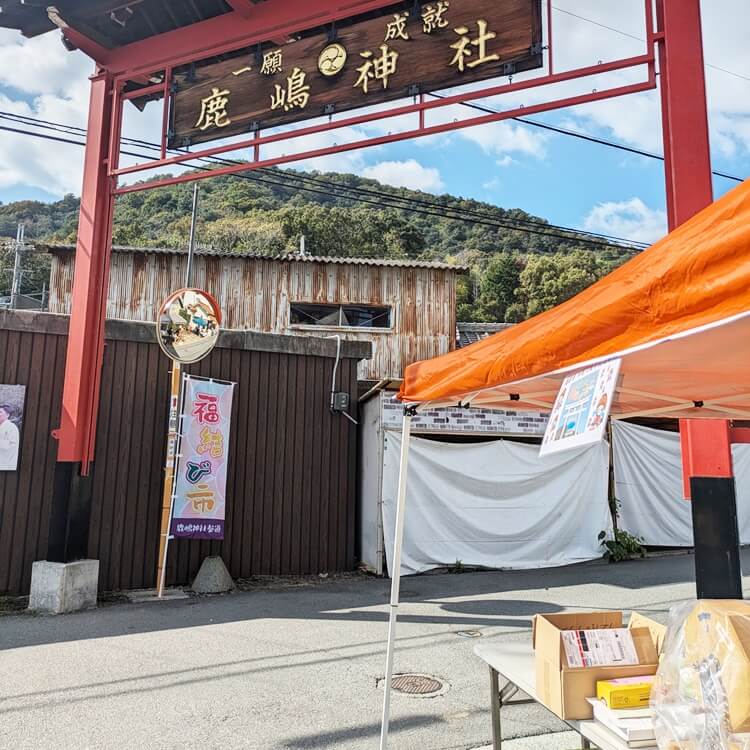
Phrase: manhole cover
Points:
(417, 684)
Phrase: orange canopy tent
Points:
(677, 315)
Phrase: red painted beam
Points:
(739, 435)
(231, 31)
(90, 282)
(368, 142)
(684, 111)
(706, 448)
(422, 107)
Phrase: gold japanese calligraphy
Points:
(392, 53)
(464, 44)
(396, 29)
(214, 110)
(433, 16)
(272, 63)
(296, 93)
(377, 67)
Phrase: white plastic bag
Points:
(701, 696)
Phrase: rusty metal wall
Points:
(291, 482)
(256, 294)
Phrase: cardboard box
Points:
(565, 690)
(657, 630)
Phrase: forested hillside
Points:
(519, 264)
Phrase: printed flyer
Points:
(579, 416)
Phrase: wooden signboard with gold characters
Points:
(411, 48)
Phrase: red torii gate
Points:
(673, 37)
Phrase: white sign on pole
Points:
(579, 416)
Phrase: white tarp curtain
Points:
(648, 484)
(496, 504)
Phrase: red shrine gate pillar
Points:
(68, 537)
(706, 444)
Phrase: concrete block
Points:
(57, 588)
(213, 577)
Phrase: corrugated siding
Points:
(255, 294)
(291, 485)
(34, 360)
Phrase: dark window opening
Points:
(346, 316)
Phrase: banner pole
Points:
(169, 466)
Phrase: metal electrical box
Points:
(341, 401)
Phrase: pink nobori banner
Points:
(200, 490)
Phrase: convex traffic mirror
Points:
(188, 325)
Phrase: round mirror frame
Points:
(206, 325)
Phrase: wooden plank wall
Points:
(256, 293)
(292, 472)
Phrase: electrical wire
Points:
(640, 39)
(280, 177)
(585, 137)
(347, 188)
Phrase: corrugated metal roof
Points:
(287, 257)
(470, 333)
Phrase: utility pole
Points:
(191, 245)
(15, 289)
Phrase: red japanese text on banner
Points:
(200, 491)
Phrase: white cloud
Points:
(42, 65)
(408, 174)
(636, 119)
(53, 85)
(502, 138)
(631, 219)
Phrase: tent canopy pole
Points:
(409, 412)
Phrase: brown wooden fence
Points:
(291, 484)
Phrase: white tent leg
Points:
(395, 575)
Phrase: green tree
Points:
(466, 306)
(498, 287)
(548, 280)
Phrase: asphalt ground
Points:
(297, 667)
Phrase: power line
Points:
(510, 224)
(476, 107)
(585, 137)
(328, 183)
(640, 39)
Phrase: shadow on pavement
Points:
(464, 600)
(331, 739)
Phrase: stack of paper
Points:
(633, 725)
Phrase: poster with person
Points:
(11, 419)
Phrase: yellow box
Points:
(625, 692)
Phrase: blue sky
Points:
(563, 179)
